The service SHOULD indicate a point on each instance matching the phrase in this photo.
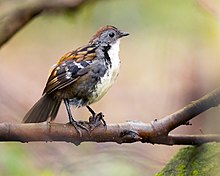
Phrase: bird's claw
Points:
(78, 125)
(96, 120)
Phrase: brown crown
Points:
(101, 30)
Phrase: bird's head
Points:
(107, 36)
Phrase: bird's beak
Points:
(123, 34)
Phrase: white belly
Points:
(111, 74)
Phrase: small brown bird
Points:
(81, 77)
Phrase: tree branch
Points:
(155, 132)
(185, 114)
(17, 18)
(186, 139)
(120, 133)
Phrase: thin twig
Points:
(186, 139)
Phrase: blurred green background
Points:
(170, 58)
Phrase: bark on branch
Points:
(120, 133)
(155, 132)
(15, 19)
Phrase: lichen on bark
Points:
(203, 160)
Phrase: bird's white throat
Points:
(115, 61)
(114, 52)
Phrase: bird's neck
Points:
(112, 54)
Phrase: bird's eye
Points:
(112, 34)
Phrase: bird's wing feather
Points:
(70, 67)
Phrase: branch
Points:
(186, 139)
(185, 114)
(120, 133)
(17, 18)
(155, 132)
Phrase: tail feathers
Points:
(47, 107)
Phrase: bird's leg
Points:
(76, 124)
(96, 119)
(91, 111)
(67, 104)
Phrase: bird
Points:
(80, 78)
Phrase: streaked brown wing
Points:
(58, 81)
(85, 53)
(69, 68)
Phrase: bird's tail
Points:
(47, 107)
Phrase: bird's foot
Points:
(96, 120)
(79, 125)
